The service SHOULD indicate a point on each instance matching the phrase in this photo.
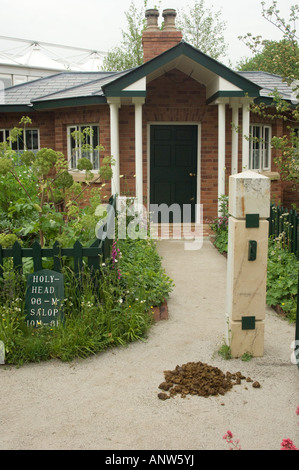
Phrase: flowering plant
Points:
(234, 444)
(286, 444)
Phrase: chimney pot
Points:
(152, 19)
(169, 19)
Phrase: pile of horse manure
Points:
(197, 378)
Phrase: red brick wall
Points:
(156, 42)
(170, 99)
(53, 127)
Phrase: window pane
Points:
(256, 148)
(96, 160)
(19, 144)
(75, 147)
(73, 156)
(32, 139)
(266, 148)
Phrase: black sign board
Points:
(45, 292)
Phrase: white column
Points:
(235, 136)
(138, 102)
(245, 134)
(221, 149)
(114, 104)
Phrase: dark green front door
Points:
(173, 167)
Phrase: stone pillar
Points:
(249, 208)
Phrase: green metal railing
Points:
(286, 222)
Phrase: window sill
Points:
(79, 176)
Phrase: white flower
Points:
(120, 301)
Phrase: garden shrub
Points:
(282, 278)
(113, 308)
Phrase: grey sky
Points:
(97, 24)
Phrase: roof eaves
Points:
(15, 108)
(130, 76)
(68, 102)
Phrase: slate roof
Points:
(61, 83)
(75, 88)
(270, 82)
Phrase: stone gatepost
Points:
(249, 208)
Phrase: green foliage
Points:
(282, 278)
(129, 53)
(220, 225)
(202, 27)
(101, 312)
(38, 196)
(279, 57)
(142, 275)
(270, 59)
(225, 351)
(8, 240)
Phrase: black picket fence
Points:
(285, 222)
(98, 252)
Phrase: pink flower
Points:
(235, 443)
(228, 434)
(287, 444)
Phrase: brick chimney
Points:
(156, 41)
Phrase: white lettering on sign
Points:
(45, 291)
(44, 279)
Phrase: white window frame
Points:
(78, 154)
(262, 147)
(7, 132)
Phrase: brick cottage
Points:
(167, 123)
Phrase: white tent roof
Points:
(36, 58)
(93, 64)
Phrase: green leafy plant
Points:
(49, 198)
(101, 310)
(225, 351)
(220, 225)
(282, 277)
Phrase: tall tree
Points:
(129, 53)
(277, 57)
(203, 28)
(281, 57)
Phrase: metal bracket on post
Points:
(252, 220)
(252, 249)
